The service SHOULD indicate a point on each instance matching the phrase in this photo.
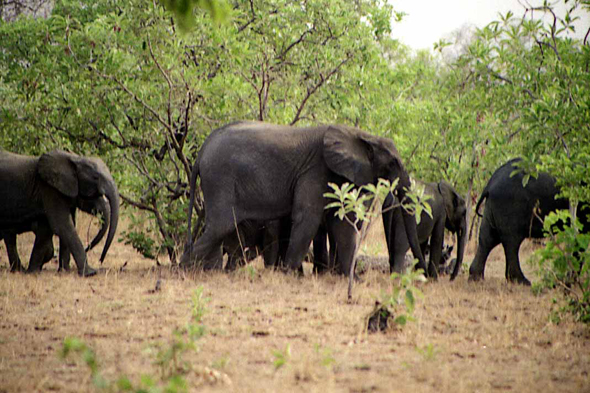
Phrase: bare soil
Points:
(270, 332)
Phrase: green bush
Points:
(564, 263)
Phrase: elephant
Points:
(514, 212)
(43, 233)
(448, 211)
(47, 189)
(261, 171)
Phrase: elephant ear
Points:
(450, 198)
(349, 155)
(58, 169)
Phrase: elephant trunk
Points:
(461, 241)
(102, 208)
(112, 195)
(410, 223)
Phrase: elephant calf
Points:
(448, 211)
(44, 191)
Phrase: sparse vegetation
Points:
(169, 358)
(477, 331)
(564, 263)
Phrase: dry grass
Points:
(489, 336)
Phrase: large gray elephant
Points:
(49, 188)
(509, 216)
(448, 211)
(43, 236)
(260, 171)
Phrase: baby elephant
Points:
(449, 212)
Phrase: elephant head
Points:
(82, 179)
(456, 220)
(363, 158)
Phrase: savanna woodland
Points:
(141, 84)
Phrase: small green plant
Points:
(401, 298)
(169, 360)
(359, 205)
(281, 357)
(564, 263)
(428, 352)
(398, 303)
(249, 272)
(326, 357)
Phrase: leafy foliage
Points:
(359, 205)
(565, 262)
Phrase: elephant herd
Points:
(263, 188)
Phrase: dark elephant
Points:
(259, 171)
(251, 239)
(448, 211)
(49, 188)
(513, 213)
(43, 245)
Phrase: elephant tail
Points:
(193, 190)
(482, 197)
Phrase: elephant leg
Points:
(513, 271)
(64, 258)
(232, 247)
(398, 242)
(12, 251)
(207, 251)
(284, 236)
(64, 252)
(321, 262)
(488, 239)
(42, 248)
(344, 241)
(308, 206)
(271, 243)
(61, 223)
(436, 248)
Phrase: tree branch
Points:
(311, 91)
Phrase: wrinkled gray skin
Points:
(47, 189)
(262, 172)
(92, 206)
(448, 211)
(508, 217)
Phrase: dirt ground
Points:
(270, 332)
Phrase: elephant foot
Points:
(475, 277)
(14, 269)
(87, 271)
(432, 272)
(422, 266)
(520, 280)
